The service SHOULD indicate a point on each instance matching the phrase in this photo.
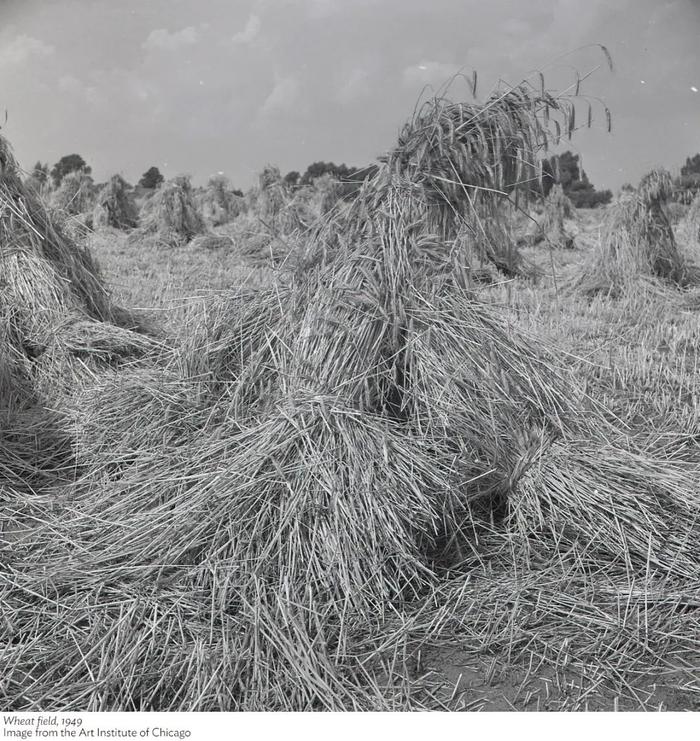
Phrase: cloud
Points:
(357, 85)
(323, 8)
(73, 86)
(162, 40)
(284, 95)
(107, 91)
(250, 32)
(518, 28)
(21, 48)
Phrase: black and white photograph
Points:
(349, 361)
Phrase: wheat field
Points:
(393, 451)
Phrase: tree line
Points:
(564, 169)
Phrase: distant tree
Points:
(40, 172)
(69, 163)
(151, 179)
(691, 166)
(565, 169)
(291, 179)
(318, 169)
(687, 186)
(350, 178)
(38, 178)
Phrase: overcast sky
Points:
(201, 86)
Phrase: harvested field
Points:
(367, 455)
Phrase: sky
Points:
(207, 86)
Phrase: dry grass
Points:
(75, 195)
(274, 226)
(171, 217)
(558, 214)
(691, 222)
(638, 242)
(115, 206)
(47, 277)
(218, 203)
(168, 285)
(59, 330)
(333, 478)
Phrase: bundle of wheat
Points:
(455, 166)
(275, 226)
(589, 499)
(691, 222)
(171, 216)
(327, 191)
(84, 348)
(261, 244)
(637, 242)
(46, 276)
(112, 417)
(466, 158)
(75, 195)
(342, 406)
(271, 196)
(314, 530)
(115, 206)
(236, 347)
(275, 207)
(558, 210)
(59, 330)
(50, 286)
(218, 202)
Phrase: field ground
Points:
(561, 638)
